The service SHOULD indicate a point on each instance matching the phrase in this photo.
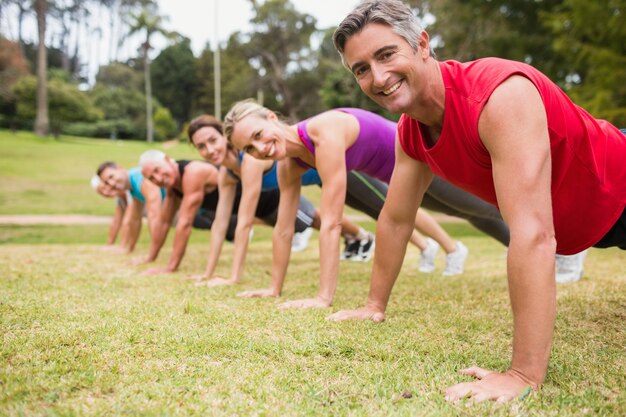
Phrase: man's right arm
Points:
(160, 230)
(132, 225)
(395, 225)
(154, 203)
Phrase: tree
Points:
(120, 75)
(203, 97)
(590, 39)
(118, 93)
(280, 45)
(67, 103)
(465, 30)
(174, 79)
(42, 123)
(13, 66)
(148, 22)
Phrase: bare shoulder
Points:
(331, 120)
(198, 174)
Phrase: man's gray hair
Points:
(153, 155)
(393, 13)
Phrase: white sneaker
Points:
(427, 257)
(569, 268)
(301, 240)
(366, 249)
(455, 261)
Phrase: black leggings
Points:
(368, 194)
(616, 236)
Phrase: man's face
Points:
(115, 178)
(162, 173)
(387, 69)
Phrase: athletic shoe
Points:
(350, 249)
(366, 249)
(455, 261)
(569, 268)
(427, 257)
(301, 240)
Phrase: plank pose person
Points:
(258, 177)
(121, 204)
(144, 195)
(503, 131)
(334, 142)
(198, 184)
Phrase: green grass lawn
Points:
(48, 176)
(85, 334)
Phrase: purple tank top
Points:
(373, 151)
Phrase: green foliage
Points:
(280, 46)
(204, 92)
(174, 79)
(121, 75)
(123, 108)
(112, 129)
(590, 39)
(164, 124)
(13, 66)
(39, 176)
(119, 102)
(67, 103)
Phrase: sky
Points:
(195, 18)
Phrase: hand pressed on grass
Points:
(495, 386)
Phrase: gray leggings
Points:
(368, 194)
(304, 217)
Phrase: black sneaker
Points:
(350, 250)
(366, 249)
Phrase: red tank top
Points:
(588, 155)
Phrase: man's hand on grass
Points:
(491, 385)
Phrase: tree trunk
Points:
(149, 124)
(42, 122)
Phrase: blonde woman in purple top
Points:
(332, 142)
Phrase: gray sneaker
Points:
(569, 268)
(427, 257)
(455, 261)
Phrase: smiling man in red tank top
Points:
(504, 132)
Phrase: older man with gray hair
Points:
(503, 131)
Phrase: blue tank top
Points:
(372, 153)
(135, 178)
(270, 177)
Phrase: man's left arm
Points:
(513, 127)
